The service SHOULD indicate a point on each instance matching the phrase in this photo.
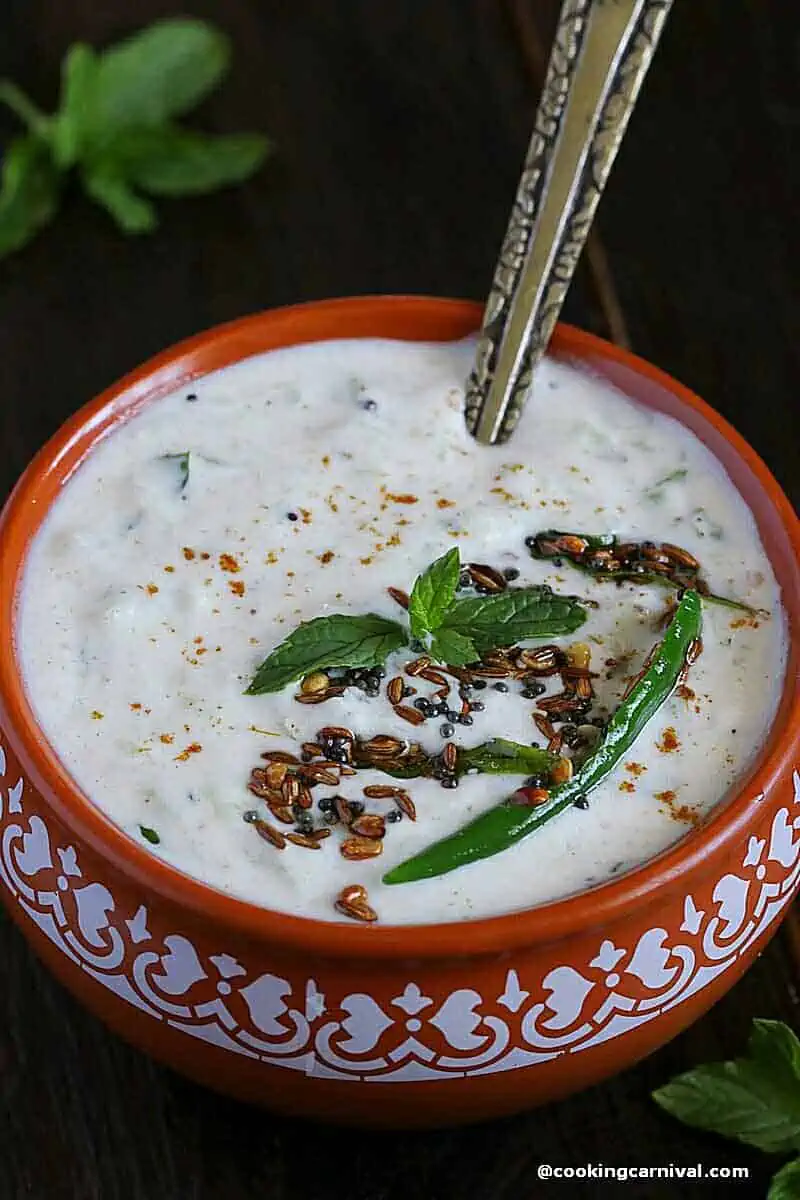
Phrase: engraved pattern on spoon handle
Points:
(600, 56)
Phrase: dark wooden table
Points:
(400, 127)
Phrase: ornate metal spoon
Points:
(600, 56)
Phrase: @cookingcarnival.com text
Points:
(629, 1172)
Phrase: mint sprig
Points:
(115, 126)
(455, 632)
(754, 1099)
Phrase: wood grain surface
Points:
(399, 128)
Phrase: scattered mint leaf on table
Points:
(115, 125)
(77, 77)
(29, 190)
(754, 1099)
(132, 213)
(170, 161)
(785, 1184)
(160, 72)
(149, 835)
(334, 641)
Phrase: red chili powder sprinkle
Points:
(444, 503)
(635, 768)
(227, 562)
(151, 589)
(669, 741)
(685, 693)
(679, 812)
(402, 497)
(627, 786)
(96, 715)
(192, 748)
(135, 707)
(326, 557)
(205, 555)
(169, 568)
(237, 586)
(167, 738)
(188, 553)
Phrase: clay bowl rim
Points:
(432, 318)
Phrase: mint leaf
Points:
(132, 213)
(169, 161)
(513, 616)
(433, 593)
(183, 461)
(28, 193)
(158, 73)
(785, 1184)
(744, 1099)
(24, 108)
(777, 1047)
(149, 835)
(501, 757)
(78, 72)
(448, 646)
(655, 493)
(333, 641)
(114, 124)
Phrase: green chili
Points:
(512, 820)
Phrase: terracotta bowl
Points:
(455, 1023)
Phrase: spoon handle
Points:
(600, 56)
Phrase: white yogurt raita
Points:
(316, 478)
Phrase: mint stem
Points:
(15, 99)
